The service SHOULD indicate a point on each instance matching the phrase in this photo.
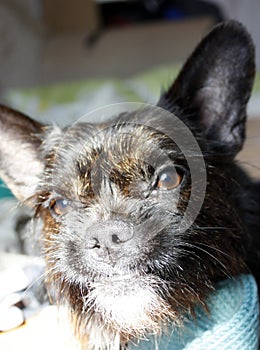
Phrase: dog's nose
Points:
(109, 235)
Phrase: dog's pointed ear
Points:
(20, 159)
(214, 86)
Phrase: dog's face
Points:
(120, 248)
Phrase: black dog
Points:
(130, 240)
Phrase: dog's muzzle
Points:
(110, 240)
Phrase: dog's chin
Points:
(131, 305)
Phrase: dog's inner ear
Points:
(20, 160)
(214, 86)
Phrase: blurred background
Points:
(46, 41)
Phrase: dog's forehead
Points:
(124, 146)
(129, 133)
(120, 144)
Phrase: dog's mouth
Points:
(132, 304)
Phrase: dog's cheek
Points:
(51, 229)
(63, 248)
(53, 247)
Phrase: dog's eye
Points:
(169, 178)
(59, 206)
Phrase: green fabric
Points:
(4, 191)
(231, 322)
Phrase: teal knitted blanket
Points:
(232, 323)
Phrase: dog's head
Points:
(138, 225)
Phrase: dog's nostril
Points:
(97, 245)
(93, 243)
(115, 239)
(108, 235)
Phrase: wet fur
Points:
(102, 173)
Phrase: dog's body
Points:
(113, 198)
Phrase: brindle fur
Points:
(108, 178)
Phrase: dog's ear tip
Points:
(215, 83)
(233, 29)
(235, 26)
(16, 119)
(231, 26)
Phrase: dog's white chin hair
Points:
(131, 305)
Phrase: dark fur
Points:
(104, 173)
